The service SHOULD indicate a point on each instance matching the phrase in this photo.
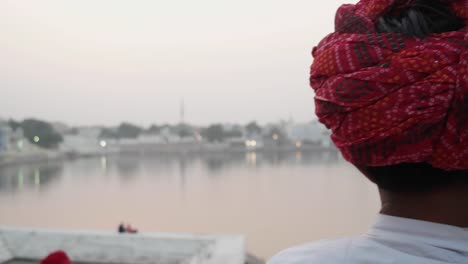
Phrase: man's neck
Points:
(445, 207)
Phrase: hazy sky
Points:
(105, 61)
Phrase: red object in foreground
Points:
(57, 257)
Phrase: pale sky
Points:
(88, 62)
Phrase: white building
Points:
(13, 141)
(85, 141)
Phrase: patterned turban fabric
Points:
(389, 98)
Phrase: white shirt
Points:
(392, 240)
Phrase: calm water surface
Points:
(276, 200)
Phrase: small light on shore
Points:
(298, 144)
(103, 143)
(36, 139)
(251, 143)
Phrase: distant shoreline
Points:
(18, 158)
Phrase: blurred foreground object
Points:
(57, 257)
(111, 247)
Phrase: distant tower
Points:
(182, 111)
(291, 119)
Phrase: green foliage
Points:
(276, 131)
(233, 133)
(213, 133)
(14, 124)
(73, 131)
(108, 133)
(154, 129)
(124, 130)
(184, 130)
(127, 130)
(45, 134)
(253, 128)
(277, 135)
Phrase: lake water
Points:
(276, 200)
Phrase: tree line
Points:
(211, 133)
(43, 134)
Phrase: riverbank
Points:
(43, 155)
(13, 158)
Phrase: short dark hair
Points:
(413, 177)
(420, 19)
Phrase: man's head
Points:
(390, 83)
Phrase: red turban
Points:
(389, 98)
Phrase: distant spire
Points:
(182, 111)
(291, 119)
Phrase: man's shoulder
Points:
(323, 252)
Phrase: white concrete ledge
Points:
(107, 247)
(5, 254)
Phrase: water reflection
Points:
(104, 164)
(26, 177)
(251, 158)
(303, 158)
(218, 163)
(276, 199)
(182, 169)
(128, 167)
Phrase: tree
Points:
(214, 133)
(154, 129)
(253, 128)
(41, 133)
(233, 133)
(275, 133)
(73, 131)
(127, 130)
(108, 133)
(14, 124)
(184, 130)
